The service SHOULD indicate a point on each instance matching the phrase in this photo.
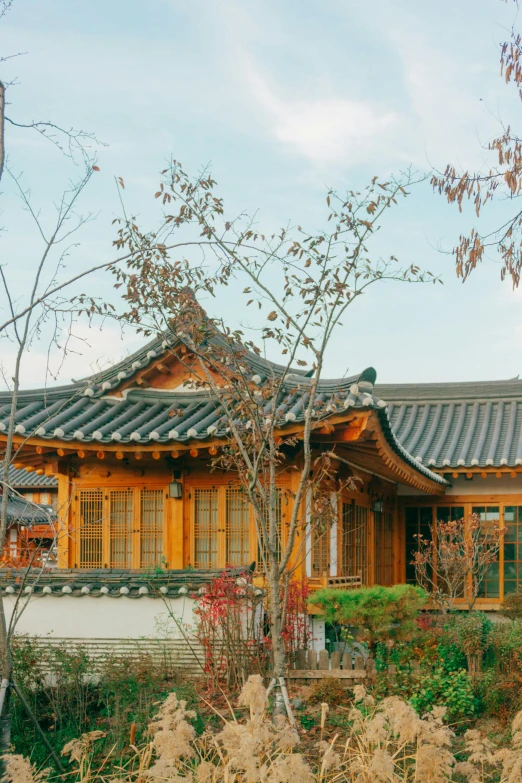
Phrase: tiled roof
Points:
(87, 411)
(116, 583)
(455, 425)
(19, 478)
(26, 513)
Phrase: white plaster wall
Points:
(87, 617)
(476, 486)
(318, 634)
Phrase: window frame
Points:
(357, 500)
(192, 485)
(467, 502)
(135, 531)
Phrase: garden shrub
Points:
(466, 636)
(440, 688)
(328, 690)
(68, 700)
(505, 652)
(512, 606)
(500, 694)
(378, 613)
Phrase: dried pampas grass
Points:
(386, 742)
(18, 769)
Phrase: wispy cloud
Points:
(90, 350)
(323, 130)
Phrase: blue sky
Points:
(282, 98)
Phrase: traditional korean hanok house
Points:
(141, 515)
(471, 434)
(31, 530)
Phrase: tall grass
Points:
(387, 742)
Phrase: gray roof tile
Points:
(25, 512)
(457, 425)
(86, 412)
(115, 583)
(19, 478)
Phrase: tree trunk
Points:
(6, 668)
(276, 627)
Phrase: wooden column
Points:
(399, 571)
(175, 515)
(63, 527)
(371, 547)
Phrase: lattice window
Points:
(121, 510)
(237, 528)
(151, 527)
(355, 541)
(90, 528)
(383, 547)
(320, 552)
(206, 528)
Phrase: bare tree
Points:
(300, 285)
(503, 180)
(44, 305)
(454, 563)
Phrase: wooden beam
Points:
(351, 433)
(81, 454)
(194, 452)
(120, 455)
(163, 368)
(100, 454)
(327, 429)
(213, 451)
(43, 450)
(174, 454)
(138, 455)
(156, 455)
(142, 382)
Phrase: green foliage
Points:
(512, 606)
(453, 690)
(506, 647)
(470, 632)
(448, 656)
(500, 694)
(378, 613)
(69, 700)
(307, 721)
